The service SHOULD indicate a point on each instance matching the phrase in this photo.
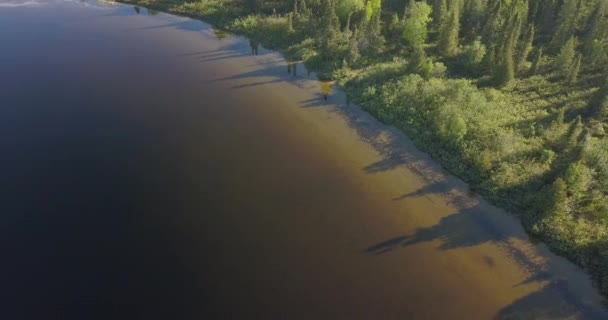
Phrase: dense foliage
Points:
(511, 95)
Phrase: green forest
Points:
(510, 95)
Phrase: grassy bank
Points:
(504, 102)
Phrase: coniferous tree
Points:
(353, 47)
(505, 73)
(564, 62)
(514, 14)
(546, 16)
(596, 23)
(566, 23)
(598, 105)
(328, 19)
(537, 62)
(502, 32)
(395, 29)
(524, 48)
(448, 34)
(290, 22)
(303, 7)
(329, 29)
(596, 39)
(440, 13)
(574, 70)
(408, 6)
(472, 17)
(374, 34)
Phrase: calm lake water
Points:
(155, 168)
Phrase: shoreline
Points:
(389, 147)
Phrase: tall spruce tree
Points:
(448, 33)
(566, 23)
(524, 48)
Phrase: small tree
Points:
(564, 62)
(575, 70)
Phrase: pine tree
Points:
(353, 48)
(566, 23)
(374, 34)
(537, 62)
(303, 7)
(290, 22)
(564, 62)
(597, 20)
(598, 105)
(516, 14)
(524, 48)
(575, 69)
(329, 28)
(448, 34)
(408, 6)
(394, 29)
(506, 71)
(419, 62)
(596, 39)
(546, 17)
(502, 32)
(329, 22)
(472, 16)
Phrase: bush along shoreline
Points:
(510, 95)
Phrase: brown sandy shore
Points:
(388, 234)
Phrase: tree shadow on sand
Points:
(543, 304)
(472, 227)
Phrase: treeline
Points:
(511, 95)
(499, 39)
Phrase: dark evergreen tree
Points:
(566, 23)
(448, 34)
(537, 62)
(525, 47)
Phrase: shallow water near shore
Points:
(156, 167)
